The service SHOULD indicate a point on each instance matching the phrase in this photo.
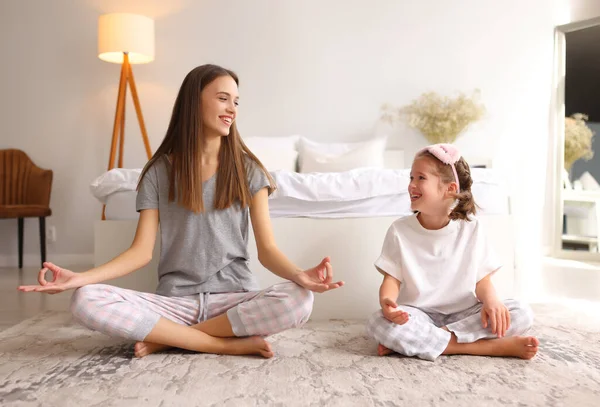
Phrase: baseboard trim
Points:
(33, 260)
(570, 279)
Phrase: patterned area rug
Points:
(48, 361)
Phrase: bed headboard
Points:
(394, 160)
(479, 162)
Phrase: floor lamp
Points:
(125, 39)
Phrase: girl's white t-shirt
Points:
(438, 269)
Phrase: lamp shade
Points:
(124, 32)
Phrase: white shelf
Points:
(579, 239)
(591, 198)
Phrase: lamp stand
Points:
(119, 126)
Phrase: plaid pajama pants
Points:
(422, 336)
(129, 314)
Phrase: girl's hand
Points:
(62, 279)
(497, 314)
(318, 278)
(392, 313)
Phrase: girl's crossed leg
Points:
(428, 335)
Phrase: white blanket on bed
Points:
(348, 187)
(329, 186)
(115, 180)
(340, 186)
(356, 184)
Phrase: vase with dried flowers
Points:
(578, 139)
(441, 119)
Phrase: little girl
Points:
(203, 186)
(437, 264)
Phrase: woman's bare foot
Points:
(142, 349)
(524, 347)
(253, 345)
(383, 351)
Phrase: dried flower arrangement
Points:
(440, 119)
(578, 139)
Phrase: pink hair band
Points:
(448, 154)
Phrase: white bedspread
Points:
(340, 186)
(113, 181)
(357, 184)
(356, 193)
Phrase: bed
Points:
(341, 214)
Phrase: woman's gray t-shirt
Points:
(200, 252)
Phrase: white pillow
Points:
(282, 143)
(329, 148)
(275, 153)
(277, 160)
(339, 157)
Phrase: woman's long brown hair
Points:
(183, 144)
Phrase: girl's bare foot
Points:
(383, 351)
(524, 347)
(253, 345)
(142, 349)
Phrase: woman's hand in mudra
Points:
(62, 280)
(319, 278)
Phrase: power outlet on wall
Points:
(51, 234)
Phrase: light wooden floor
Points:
(16, 306)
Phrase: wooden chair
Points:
(24, 193)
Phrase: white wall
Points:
(571, 11)
(318, 68)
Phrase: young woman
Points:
(201, 186)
